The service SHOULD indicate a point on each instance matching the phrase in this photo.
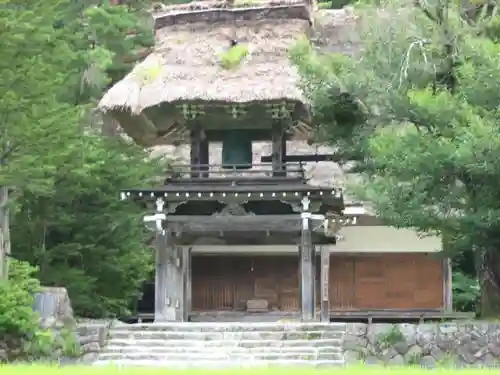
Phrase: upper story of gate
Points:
(221, 74)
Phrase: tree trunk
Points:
(4, 233)
(488, 271)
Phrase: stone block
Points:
(494, 348)
(409, 332)
(354, 343)
(438, 354)
(376, 331)
(257, 305)
(351, 356)
(91, 347)
(356, 329)
(397, 360)
(372, 360)
(413, 354)
(428, 362)
(401, 347)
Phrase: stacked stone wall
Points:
(429, 344)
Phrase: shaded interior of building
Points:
(223, 284)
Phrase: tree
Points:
(65, 176)
(37, 129)
(82, 236)
(417, 113)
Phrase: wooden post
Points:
(199, 153)
(187, 282)
(447, 285)
(307, 274)
(204, 156)
(175, 285)
(161, 277)
(325, 283)
(278, 151)
(169, 281)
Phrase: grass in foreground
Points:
(354, 370)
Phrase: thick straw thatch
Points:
(185, 65)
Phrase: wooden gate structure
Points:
(191, 95)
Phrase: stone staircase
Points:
(222, 345)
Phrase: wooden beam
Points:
(325, 283)
(233, 223)
(301, 158)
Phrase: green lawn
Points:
(80, 370)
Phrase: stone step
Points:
(219, 356)
(233, 327)
(224, 345)
(193, 344)
(200, 364)
(224, 335)
(229, 349)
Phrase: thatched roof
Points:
(185, 66)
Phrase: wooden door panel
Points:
(341, 290)
(243, 281)
(398, 281)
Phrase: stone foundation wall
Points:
(92, 337)
(429, 344)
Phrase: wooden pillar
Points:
(187, 283)
(278, 151)
(175, 285)
(325, 284)
(447, 285)
(199, 153)
(204, 156)
(307, 272)
(161, 258)
(170, 301)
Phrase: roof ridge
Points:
(196, 6)
(209, 12)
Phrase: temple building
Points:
(252, 219)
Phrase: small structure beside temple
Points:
(248, 217)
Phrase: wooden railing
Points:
(238, 173)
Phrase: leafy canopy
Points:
(416, 110)
(63, 176)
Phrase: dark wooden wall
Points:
(361, 281)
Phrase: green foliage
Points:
(36, 127)
(20, 325)
(424, 131)
(49, 344)
(58, 58)
(389, 338)
(83, 237)
(120, 32)
(333, 4)
(108, 39)
(466, 292)
(68, 342)
(233, 57)
(17, 317)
